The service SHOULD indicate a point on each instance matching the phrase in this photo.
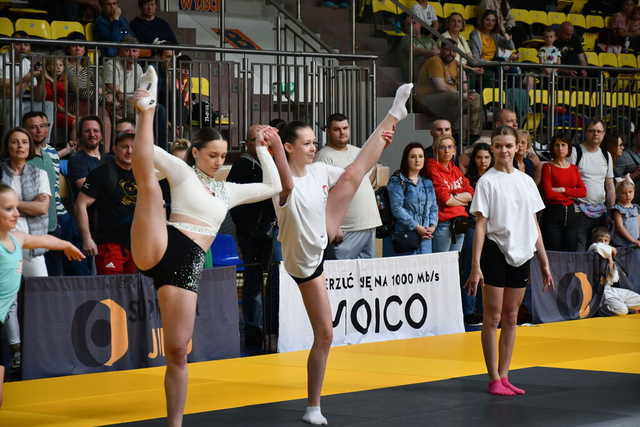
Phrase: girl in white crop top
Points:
(199, 204)
(309, 216)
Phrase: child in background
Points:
(626, 215)
(617, 301)
(549, 54)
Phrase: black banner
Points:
(579, 287)
(78, 325)
(628, 261)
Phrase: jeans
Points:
(256, 255)
(57, 263)
(584, 227)
(560, 228)
(442, 241)
(355, 245)
(470, 304)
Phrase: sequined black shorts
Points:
(181, 265)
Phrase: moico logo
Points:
(99, 333)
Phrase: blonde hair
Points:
(625, 183)
(180, 144)
(439, 140)
(523, 133)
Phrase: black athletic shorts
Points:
(315, 274)
(497, 272)
(181, 265)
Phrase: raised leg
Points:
(316, 302)
(341, 194)
(178, 312)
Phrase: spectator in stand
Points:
(453, 192)
(549, 54)
(596, 170)
(149, 28)
(614, 38)
(520, 160)
(125, 125)
(61, 223)
(89, 155)
(481, 160)
(626, 215)
(438, 90)
(121, 76)
(111, 26)
(112, 188)
(424, 47)
(255, 228)
(502, 9)
(627, 9)
(180, 147)
(455, 26)
(82, 85)
(633, 30)
(570, 46)
(358, 227)
(439, 127)
(489, 43)
(32, 187)
(629, 162)
(53, 87)
(26, 78)
(413, 200)
(423, 10)
(615, 146)
(561, 186)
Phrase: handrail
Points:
(343, 56)
(299, 24)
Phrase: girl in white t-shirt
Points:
(507, 236)
(310, 209)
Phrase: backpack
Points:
(603, 150)
(384, 209)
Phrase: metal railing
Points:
(250, 86)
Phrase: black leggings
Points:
(560, 228)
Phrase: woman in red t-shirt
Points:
(453, 191)
(55, 80)
(561, 186)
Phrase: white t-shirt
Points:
(509, 202)
(302, 219)
(21, 68)
(363, 211)
(427, 14)
(22, 224)
(593, 170)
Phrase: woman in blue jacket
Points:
(413, 199)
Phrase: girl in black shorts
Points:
(507, 236)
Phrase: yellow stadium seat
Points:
(589, 41)
(594, 22)
(437, 7)
(592, 58)
(466, 33)
(538, 96)
(470, 12)
(385, 6)
(608, 59)
(556, 18)
(533, 121)
(583, 98)
(538, 17)
(88, 31)
(449, 8)
(520, 15)
(577, 20)
(6, 26)
(61, 29)
(195, 86)
(528, 55)
(563, 97)
(577, 6)
(34, 27)
(627, 60)
(490, 95)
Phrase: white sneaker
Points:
(148, 82)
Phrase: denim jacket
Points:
(412, 204)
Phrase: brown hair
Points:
(4, 150)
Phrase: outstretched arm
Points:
(286, 179)
(47, 241)
(270, 185)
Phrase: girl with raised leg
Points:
(11, 245)
(507, 236)
(309, 216)
(172, 252)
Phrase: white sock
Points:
(149, 82)
(399, 108)
(312, 415)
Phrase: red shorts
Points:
(113, 258)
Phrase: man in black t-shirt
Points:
(149, 28)
(111, 188)
(570, 45)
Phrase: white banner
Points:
(378, 299)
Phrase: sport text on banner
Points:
(378, 299)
